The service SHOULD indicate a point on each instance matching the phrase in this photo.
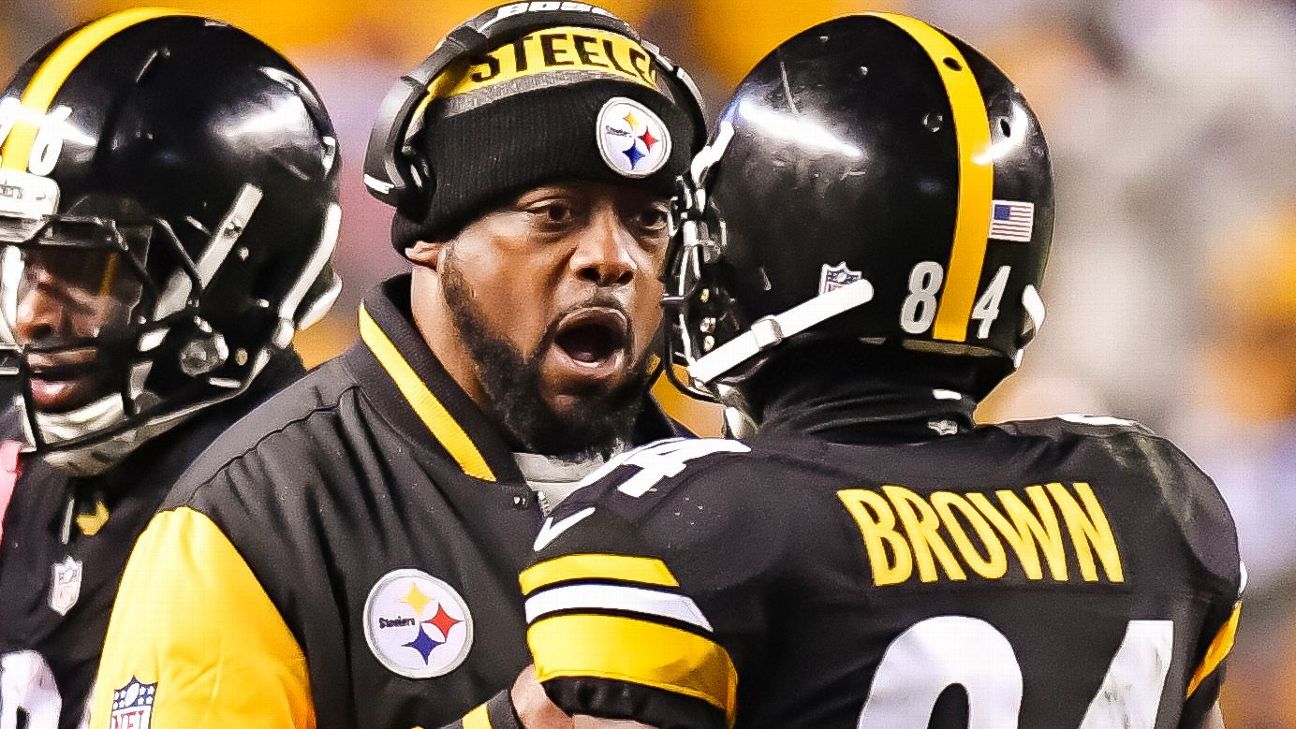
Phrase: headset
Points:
(399, 175)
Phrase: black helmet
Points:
(872, 179)
(168, 207)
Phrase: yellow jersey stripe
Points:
(477, 719)
(1217, 651)
(976, 179)
(429, 409)
(192, 617)
(636, 651)
(619, 567)
(50, 77)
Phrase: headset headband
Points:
(389, 173)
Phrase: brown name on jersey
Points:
(947, 534)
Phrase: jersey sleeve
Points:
(630, 614)
(195, 641)
(1204, 684)
(1211, 536)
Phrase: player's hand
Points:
(533, 706)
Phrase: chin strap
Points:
(769, 331)
(95, 458)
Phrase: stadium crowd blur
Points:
(1172, 285)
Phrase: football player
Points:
(167, 212)
(346, 557)
(858, 262)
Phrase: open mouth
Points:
(594, 338)
(63, 380)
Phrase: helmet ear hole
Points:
(203, 353)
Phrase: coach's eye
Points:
(553, 213)
(653, 219)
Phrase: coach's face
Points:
(554, 298)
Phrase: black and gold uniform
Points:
(66, 540)
(159, 254)
(857, 261)
(852, 568)
(347, 558)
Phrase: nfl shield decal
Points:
(632, 139)
(65, 585)
(132, 705)
(416, 625)
(835, 277)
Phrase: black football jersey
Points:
(1059, 574)
(65, 543)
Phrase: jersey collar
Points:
(861, 411)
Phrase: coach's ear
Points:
(427, 253)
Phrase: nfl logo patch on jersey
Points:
(65, 585)
(835, 277)
(132, 705)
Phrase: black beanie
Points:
(490, 144)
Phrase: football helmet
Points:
(168, 208)
(876, 179)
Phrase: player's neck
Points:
(855, 399)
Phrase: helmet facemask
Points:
(179, 244)
(694, 317)
(84, 298)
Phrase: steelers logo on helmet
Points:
(416, 625)
(632, 139)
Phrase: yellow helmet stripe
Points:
(51, 75)
(976, 179)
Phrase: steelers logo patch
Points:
(632, 139)
(417, 625)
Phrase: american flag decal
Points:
(1012, 220)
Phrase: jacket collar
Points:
(399, 372)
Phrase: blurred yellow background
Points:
(1172, 285)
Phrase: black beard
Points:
(597, 425)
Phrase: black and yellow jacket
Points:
(346, 557)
